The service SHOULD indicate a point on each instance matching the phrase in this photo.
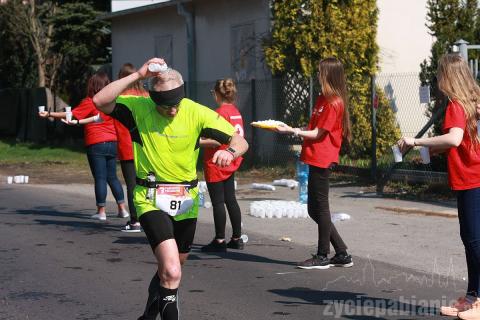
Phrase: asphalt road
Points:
(56, 263)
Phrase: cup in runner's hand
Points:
(41, 108)
(68, 116)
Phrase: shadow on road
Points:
(235, 256)
(354, 305)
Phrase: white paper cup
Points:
(425, 154)
(18, 179)
(68, 109)
(41, 108)
(25, 179)
(9, 179)
(397, 154)
(68, 116)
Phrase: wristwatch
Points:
(231, 150)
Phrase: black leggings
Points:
(223, 193)
(128, 172)
(319, 211)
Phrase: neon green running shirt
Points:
(168, 146)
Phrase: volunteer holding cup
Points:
(101, 142)
(461, 143)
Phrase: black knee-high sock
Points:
(152, 308)
(168, 303)
(160, 300)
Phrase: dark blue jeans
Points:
(469, 217)
(102, 158)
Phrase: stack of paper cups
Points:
(68, 116)
(68, 109)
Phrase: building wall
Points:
(404, 43)
(402, 35)
(133, 38)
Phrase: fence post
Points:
(254, 118)
(374, 129)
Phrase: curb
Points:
(443, 214)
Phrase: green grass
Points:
(18, 152)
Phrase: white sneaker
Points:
(123, 214)
(101, 217)
(132, 227)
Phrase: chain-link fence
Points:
(410, 103)
(291, 98)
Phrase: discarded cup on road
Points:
(41, 108)
(68, 109)
(207, 204)
(425, 154)
(19, 179)
(68, 116)
(9, 179)
(244, 237)
(397, 154)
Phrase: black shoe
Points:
(215, 246)
(236, 244)
(341, 260)
(316, 262)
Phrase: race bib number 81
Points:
(173, 199)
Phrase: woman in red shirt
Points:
(221, 180)
(462, 145)
(101, 142)
(329, 126)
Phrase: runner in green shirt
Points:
(165, 129)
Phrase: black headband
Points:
(168, 98)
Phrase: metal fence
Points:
(290, 99)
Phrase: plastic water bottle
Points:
(157, 67)
(302, 176)
(201, 199)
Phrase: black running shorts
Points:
(159, 226)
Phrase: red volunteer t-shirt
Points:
(124, 147)
(463, 161)
(326, 115)
(95, 132)
(214, 173)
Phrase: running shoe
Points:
(472, 313)
(98, 216)
(315, 262)
(341, 260)
(460, 305)
(215, 246)
(132, 227)
(123, 214)
(236, 244)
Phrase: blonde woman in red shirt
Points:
(462, 145)
(329, 126)
(221, 180)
